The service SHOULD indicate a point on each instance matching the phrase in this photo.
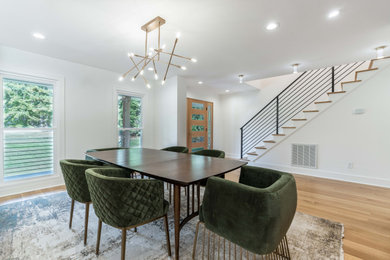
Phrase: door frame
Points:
(189, 119)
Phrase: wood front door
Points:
(199, 125)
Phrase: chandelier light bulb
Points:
(380, 52)
(132, 79)
(121, 78)
(200, 82)
(183, 68)
(333, 14)
(150, 54)
(38, 35)
(163, 46)
(162, 82)
(130, 54)
(141, 72)
(148, 85)
(155, 76)
(295, 68)
(194, 60)
(150, 69)
(272, 26)
(178, 35)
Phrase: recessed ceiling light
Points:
(241, 78)
(333, 14)
(295, 68)
(39, 36)
(227, 91)
(200, 82)
(272, 26)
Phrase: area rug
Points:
(37, 228)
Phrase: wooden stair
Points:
(372, 61)
(254, 154)
(336, 92)
(269, 141)
(298, 119)
(278, 134)
(360, 71)
(310, 111)
(288, 127)
(261, 147)
(322, 102)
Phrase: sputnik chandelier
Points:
(153, 56)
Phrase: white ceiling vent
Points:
(304, 155)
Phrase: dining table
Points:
(182, 170)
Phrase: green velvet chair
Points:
(259, 213)
(210, 153)
(76, 185)
(177, 149)
(126, 203)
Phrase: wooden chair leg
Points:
(167, 235)
(71, 214)
(86, 223)
(135, 229)
(123, 249)
(98, 236)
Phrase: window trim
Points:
(31, 183)
(118, 92)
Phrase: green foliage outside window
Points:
(27, 104)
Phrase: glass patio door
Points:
(199, 125)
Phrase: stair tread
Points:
(252, 153)
(269, 141)
(352, 81)
(372, 61)
(336, 92)
(278, 134)
(288, 127)
(299, 119)
(366, 70)
(322, 102)
(260, 147)
(308, 111)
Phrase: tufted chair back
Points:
(123, 202)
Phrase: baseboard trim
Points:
(17, 187)
(380, 182)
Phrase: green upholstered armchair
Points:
(178, 149)
(210, 153)
(259, 211)
(76, 185)
(126, 203)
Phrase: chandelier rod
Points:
(172, 64)
(176, 55)
(170, 59)
(127, 72)
(146, 82)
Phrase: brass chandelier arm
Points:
(127, 72)
(146, 82)
(176, 55)
(154, 66)
(170, 59)
(172, 64)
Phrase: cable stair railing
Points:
(297, 96)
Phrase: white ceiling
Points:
(226, 36)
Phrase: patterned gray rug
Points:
(37, 228)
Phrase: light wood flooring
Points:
(364, 210)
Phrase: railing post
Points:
(333, 79)
(241, 143)
(277, 114)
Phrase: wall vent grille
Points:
(304, 155)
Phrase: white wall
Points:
(343, 137)
(238, 108)
(89, 119)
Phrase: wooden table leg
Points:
(176, 201)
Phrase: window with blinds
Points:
(27, 129)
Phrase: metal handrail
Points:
(300, 93)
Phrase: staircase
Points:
(309, 95)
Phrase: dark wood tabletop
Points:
(177, 168)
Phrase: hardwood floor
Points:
(364, 210)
